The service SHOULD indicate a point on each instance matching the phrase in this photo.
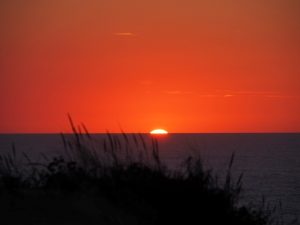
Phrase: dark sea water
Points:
(270, 162)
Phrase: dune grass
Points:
(121, 180)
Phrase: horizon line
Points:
(84, 133)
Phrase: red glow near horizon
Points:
(190, 66)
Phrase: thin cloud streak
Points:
(265, 94)
(124, 34)
(177, 92)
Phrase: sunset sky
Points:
(180, 65)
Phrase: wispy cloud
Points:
(177, 92)
(265, 94)
(124, 34)
(209, 96)
(228, 96)
(282, 96)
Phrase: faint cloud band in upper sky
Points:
(124, 34)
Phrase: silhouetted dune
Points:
(121, 181)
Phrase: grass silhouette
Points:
(121, 180)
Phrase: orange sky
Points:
(181, 65)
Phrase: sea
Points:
(270, 163)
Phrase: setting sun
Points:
(159, 131)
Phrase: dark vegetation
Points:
(121, 181)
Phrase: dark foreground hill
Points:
(123, 181)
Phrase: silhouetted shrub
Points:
(125, 173)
